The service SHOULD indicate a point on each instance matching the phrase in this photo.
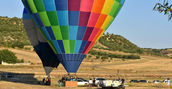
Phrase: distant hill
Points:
(12, 34)
(118, 43)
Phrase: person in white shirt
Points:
(168, 82)
(90, 82)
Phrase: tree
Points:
(164, 7)
(8, 56)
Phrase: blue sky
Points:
(136, 22)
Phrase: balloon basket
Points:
(71, 84)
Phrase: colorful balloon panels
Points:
(72, 27)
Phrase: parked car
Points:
(143, 81)
(156, 81)
(165, 81)
(134, 81)
(98, 81)
(82, 82)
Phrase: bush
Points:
(97, 57)
(8, 56)
(103, 59)
(22, 60)
(89, 56)
(105, 55)
(18, 44)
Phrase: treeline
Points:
(9, 57)
(104, 55)
(157, 52)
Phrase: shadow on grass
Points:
(26, 78)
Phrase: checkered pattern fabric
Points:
(72, 27)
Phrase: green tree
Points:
(164, 7)
(8, 56)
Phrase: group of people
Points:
(46, 81)
(92, 82)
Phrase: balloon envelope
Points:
(41, 46)
(73, 26)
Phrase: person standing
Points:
(168, 82)
(90, 82)
(94, 82)
(43, 81)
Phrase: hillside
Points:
(118, 43)
(12, 34)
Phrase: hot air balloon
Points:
(72, 27)
(42, 48)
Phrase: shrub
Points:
(105, 55)
(103, 59)
(8, 56)
(17, 44)
(97, 57)
(22, 60)
(89, 56)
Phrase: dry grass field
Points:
(148, 67)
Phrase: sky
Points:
(136, 21)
